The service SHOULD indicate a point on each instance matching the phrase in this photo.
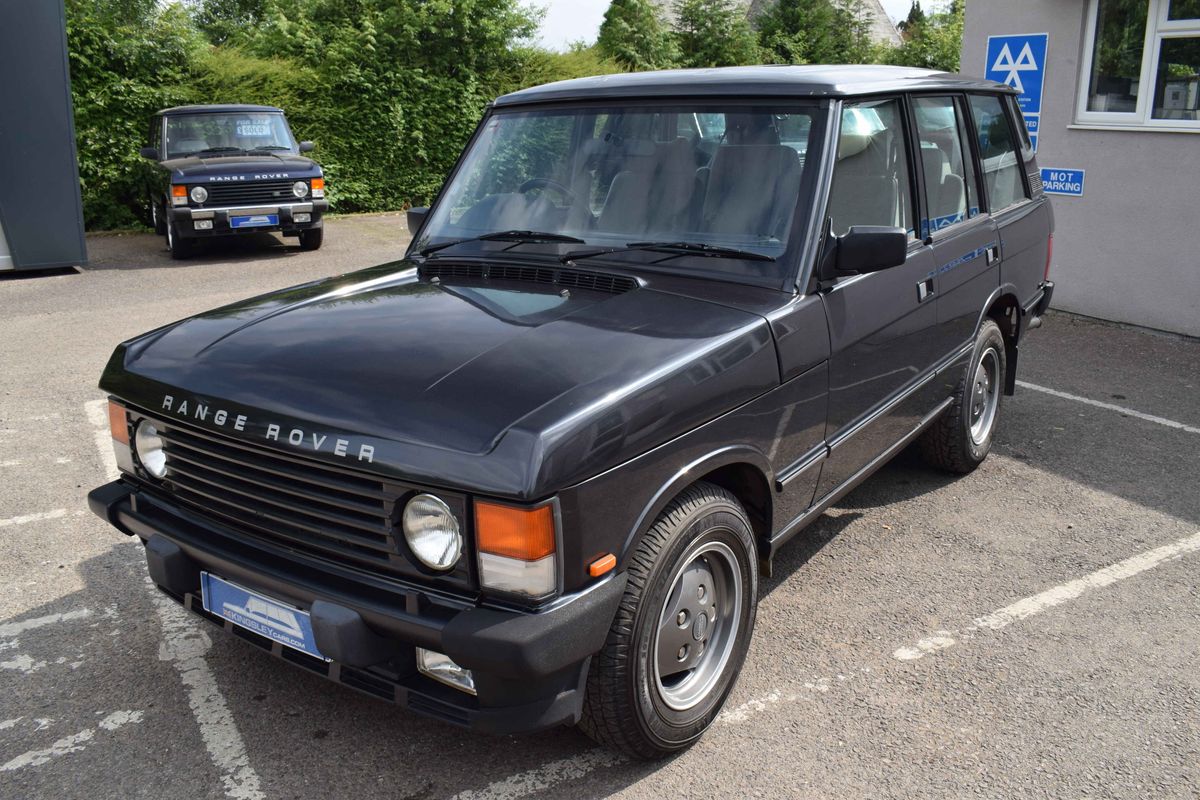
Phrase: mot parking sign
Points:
(1020, 61)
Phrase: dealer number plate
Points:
(256, 221)
(278, 621)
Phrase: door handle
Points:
(993, 254)
(924, 290)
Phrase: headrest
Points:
(851, 144)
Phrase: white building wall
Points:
(1129, 249)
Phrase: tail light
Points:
(1049, 256)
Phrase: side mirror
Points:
(870, 248)
(306, 146)
(416, 218)
(149, 152)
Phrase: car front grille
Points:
(257, 193)
(304, 505)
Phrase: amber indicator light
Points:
(318, 183)
(178, 191)
(117, 423)
(524, 533)
(601, 565)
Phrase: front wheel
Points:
(178, 246)
(311, 238)
(962, 437)
(682, 630)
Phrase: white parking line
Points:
(10, 463)
(14, 628)
(1129, 412)
(38, 517)
(1036, 604)
(73, 743)
(184, 645)
(543, 777)
(97, 414)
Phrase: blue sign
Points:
(256, 221)
(1063, 181)
(1020, 61)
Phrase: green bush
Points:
(128, 59)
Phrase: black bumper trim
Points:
(1037, 307)
(529, 666)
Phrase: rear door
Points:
(881, 324)
(966, 247)
(1023, 223)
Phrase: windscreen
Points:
(720, 176)
(232, 133)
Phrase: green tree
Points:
(713, 33)
(915, 18)
(128, 59)
(815, 32)
(933, 43)
(633, 35)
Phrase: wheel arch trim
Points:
(697, 470)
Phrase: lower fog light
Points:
(301, 217)
(439, 667)
(204, 224)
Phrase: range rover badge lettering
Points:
(342, 447)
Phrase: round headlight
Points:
(199, 194)
(432, 532)
(300, 188)
(149, 448)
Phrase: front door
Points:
(881, 325)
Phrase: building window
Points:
(1142, 64)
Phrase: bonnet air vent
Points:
(569, 278)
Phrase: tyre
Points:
(157, 219)
(311, 238)
(960, 439)
(682, 629)
(178, 246)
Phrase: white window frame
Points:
(1158, 28)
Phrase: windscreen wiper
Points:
(506, 236)
(267, 148)
(218, 150)
(674, 249)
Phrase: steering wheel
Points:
(566, 194)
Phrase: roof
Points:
(213, 109)
(764, 81)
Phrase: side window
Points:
(871, 184)
(156, 133)
(950, 187)
(997, 152)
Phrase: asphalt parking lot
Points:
(1028, 630)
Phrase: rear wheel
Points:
(682, 630)
(311, 238)
(961, 439)
(157, 219)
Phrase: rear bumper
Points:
(529, 669)
(186, 218)
(1038, 306)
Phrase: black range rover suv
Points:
(223, 170)
(653, 326)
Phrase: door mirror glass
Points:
(416, 217)
(149, 152)
(306, 146)
(871, 248)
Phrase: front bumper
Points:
(529, 668)
(185, 218)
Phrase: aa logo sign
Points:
(1020, 61)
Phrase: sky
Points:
(571, 20)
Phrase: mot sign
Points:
(1063, 181)
(1020, 61)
